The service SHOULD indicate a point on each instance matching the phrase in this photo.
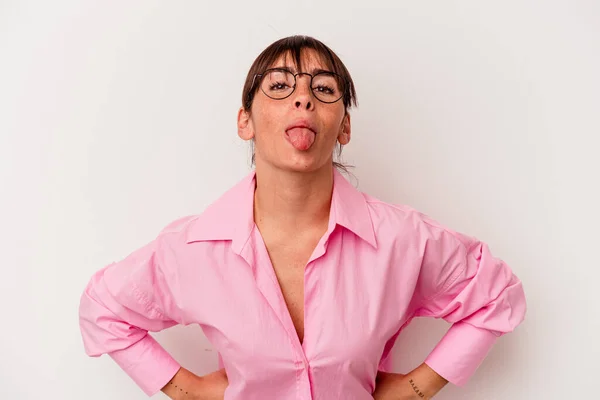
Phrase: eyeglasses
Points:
(279, 83)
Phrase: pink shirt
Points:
(377, 267)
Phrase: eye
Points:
(324, 89)
(278, 86)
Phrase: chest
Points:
(289, 261)
(254, 305)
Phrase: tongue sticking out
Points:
(301, 138)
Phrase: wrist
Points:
(184, 385)
(425, 382)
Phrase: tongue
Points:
(301, 138)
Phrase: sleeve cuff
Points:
(460, 352)
(147, 363)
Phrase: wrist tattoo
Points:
(416, 389)
(181, 391)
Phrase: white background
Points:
(119, 117)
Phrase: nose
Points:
(303, 95)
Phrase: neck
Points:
(291, 201)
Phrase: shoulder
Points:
(392, 214)
(179, 225)
(406, 222)
(176, 231)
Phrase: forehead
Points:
(310, 60)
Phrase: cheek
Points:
(267, 119)
(336, 123)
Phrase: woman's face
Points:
(271, 123)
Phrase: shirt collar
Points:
(231, 217)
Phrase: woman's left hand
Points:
(390, 386)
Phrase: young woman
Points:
(301, 282)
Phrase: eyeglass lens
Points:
(279, 84)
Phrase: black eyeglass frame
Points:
(320, 72)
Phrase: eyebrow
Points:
(313, 72)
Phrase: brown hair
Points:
(294, 45)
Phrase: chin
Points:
(301, 163)
(292, 160)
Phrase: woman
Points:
(299, 281)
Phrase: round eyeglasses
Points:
(279, 83)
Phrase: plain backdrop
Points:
(119, 117)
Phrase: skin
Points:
(291, 210)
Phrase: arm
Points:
(187, 386)
(425, 382)
(422, 383)
(463, 283)
(120, 305)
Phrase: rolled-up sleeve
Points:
(463, 283)
(120, 305)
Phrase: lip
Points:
(302, 123)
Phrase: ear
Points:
(345, 130)
(244, 123)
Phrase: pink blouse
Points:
(376, 268)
